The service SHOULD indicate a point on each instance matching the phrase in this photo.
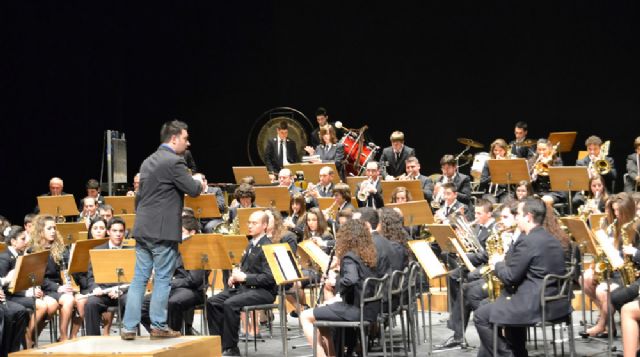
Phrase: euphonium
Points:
(627, 271)
(468, 239)
(601, 165)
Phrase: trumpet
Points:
(307, 193)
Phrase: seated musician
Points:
(245, 194)
(94, 190)
(620, 209)
(56, 291)
(187, 288)
(356, 252)
(592, 201)
(210, 223)
(594, 147)
(539, 165)
(18, 322)
(56, 186)
(534, 254)
(391, 227)
(329, 150)
(297, 209)
(342, 197)
(632, 179)
(393, 157)
(630, 323)
(496, 193)
(252, 284)
(450, 205)
(400, 194)
(412, 166)
(324, 187)
(104, 295)
(106, 212)
(136, 185)
(285, 179)
(89, 211)
(517, 148)
(523, 190)
(370, 190)
(280, 151)
(450, 174)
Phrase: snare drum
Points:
(479, 160)
(355, 165)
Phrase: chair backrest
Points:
(562, 282)
(396, 283)
(373, 289)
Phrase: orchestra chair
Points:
(394, 307)
(251, 309)
(376, 289)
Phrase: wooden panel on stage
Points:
(108, 346)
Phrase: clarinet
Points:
(326, 275)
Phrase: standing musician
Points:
(594, 146)
(357, 256)
(280, 151)
(370, 190)
(539, 165)
(413, 173)
(520, 131)
(252, 284)
(329, 150)
(393, 157)
(46, 237)
(16, 323)
(450, 174)
(632, 179)
(101, 298)
(495, 192)
(534, 254)
(620, 210)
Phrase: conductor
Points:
(164, 179)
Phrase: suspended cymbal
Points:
(470, 142)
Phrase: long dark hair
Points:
(354, 236)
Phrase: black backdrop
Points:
(71, 70)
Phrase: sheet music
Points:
(427, 259)
(315, 253)
(609, 250)
(288, 270)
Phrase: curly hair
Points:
(38, 241)
(355, 236)
(392, 225)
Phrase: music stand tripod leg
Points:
(120, 273)
(32, 279)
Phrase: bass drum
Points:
(479, 161)
(355, 156)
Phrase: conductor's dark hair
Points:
(522, 125)
(171, 128)
(537, 208)
(321, 111)
(368, 214)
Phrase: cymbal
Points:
(527, 143)
(470, 142)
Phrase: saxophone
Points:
(601, 264)
(627, 271)
(494, 245)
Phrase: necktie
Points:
(397, 156)
(281, 153)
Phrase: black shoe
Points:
(449, 343)
(233, 351)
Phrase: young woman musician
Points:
(46, 237)
(494, 192)
(329, 149)
(523, 190)
(357, 255)
(593, 201)
(539, 169)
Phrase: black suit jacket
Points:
(52, 277)
(189, 279)
(164, 179)
(532, 256)
(334, 154)
(463, 186)
(385, 255)
(481, 257)
(394, 166)
(271, 155)
(353, 273)
(254, 264)
(7, 263)
(427, 187)
(523, 152)
(374, 197)
(632, 173)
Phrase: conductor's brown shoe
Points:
(128, 335)
(168, 333)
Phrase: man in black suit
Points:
(371, 188)
(280, 151)
(533, 255)
(413, 171)
(393, 157)
(450, 204)
(632, 179)
(164, 179)
(594, 147)
(252, 284)
(56, 186)
(285, 179)
(450, 174)
(102, 298)
(517, 148)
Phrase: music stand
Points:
(243, 218)
(595, 219)
(113, 266)
(277, 197)
(58, 206)
(353, 182)
(508, 172)
(414, 212)
(582, 154)
(70, 232)
(312, 171)
(325, 202)
(129, 220)
(79, 254)
(234, 246)
(121, 204)
(315, 253)
(284, 268)
(204, 252)
(413, 186)
(565, 138)
(204, 206)
(259, 174)
(569, 178)
(442, 233)
(29, 273)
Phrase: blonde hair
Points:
(37, 243)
